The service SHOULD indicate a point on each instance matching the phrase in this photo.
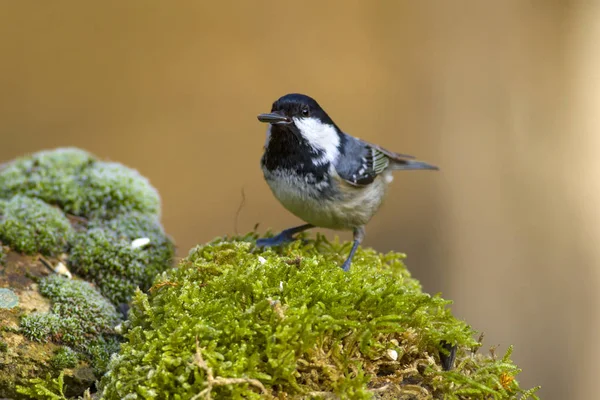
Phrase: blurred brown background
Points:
(503, 95)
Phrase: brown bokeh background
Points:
(503, 95)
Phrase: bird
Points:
(324, 176)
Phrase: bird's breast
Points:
(326, 203)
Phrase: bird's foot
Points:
(284, 237)
(346, 265)
(277, 240)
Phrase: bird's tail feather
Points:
(411, 164)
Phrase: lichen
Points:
(32, 226)
(8, 298)
(233, 321)
(80, 317)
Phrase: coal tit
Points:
(322, 175)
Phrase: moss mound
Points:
(111, 189)
(52, 176)
(32, 226)
(62, 208)
(79, 184)
(105, 255)
(233, 321)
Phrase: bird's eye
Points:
(305, 112)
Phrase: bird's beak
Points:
(274, 118)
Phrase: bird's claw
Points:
(346, 265)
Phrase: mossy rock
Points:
(67, 201)
(34, 333)
(52, 206)
(233, 321)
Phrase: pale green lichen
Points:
(8, 298)
(80, 317)
(32, 226)
(296, 326)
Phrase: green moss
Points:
(104, 254)
(45, 389)
(31, 226)
(52, 176)
(100, 351)
(80, 317)
(296, 325)
(135, 225)
(113, 189)
(64, 357)
(3, 346)
(73, 180)
(41, 327)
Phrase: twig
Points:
(325, 395)
(46, 263)
(237, 213)
(380, 389)
(162, 284)
(211, 381)
(77, 218)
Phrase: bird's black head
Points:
(295, 106)
(300, 136)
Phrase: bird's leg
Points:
(285, 236)
(359, 234)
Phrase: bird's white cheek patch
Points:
(321, 136)
(268, 137)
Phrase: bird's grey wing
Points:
(360, 162)
(399, 161)
(390, 154)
